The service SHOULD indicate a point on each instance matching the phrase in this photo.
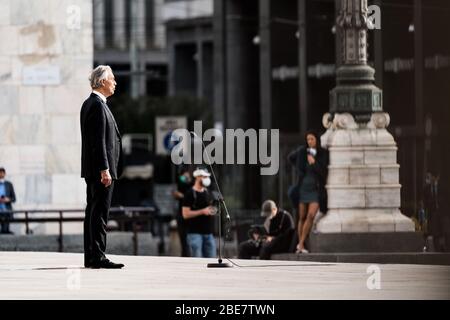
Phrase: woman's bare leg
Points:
(313, 208)
(301, 222)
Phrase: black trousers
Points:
(4, 221)
(182, 234)
(264, 250)
(98, 199)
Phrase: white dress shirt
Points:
(100, 95)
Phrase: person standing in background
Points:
(7, 197)
(311, 161)
(433, 207)
(199, 215)
(184, 183)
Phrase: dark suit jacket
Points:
(298, 158)
(9, 193)
(101, 143)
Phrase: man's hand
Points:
(311, 159)
(5, 200)
(106, 178)
(178, 195)
(269, 238)
(208, 211)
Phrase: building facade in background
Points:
(130, 36)
(190, 46)
(45, 60)
(274, 64)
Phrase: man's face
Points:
(187, 175)
(199, 179)
(270, 213)
(109, 85)
(2, 175)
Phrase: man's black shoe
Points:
(105, 264)
(87, 262)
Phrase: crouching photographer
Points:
(274, 236)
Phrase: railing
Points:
(240, 222)
(130, 214)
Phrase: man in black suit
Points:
(7, 197)
(101, 156)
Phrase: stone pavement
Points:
(43, 275)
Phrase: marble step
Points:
(366, 242)
(426, 258)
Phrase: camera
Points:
(257, 229)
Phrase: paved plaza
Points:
(42, 275)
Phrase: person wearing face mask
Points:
(311, 162)
(184, 183)
(7, 197)
(199, 216)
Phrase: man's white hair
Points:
(98, 74)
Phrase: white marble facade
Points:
(363, 180)
(40, 140)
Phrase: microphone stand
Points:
(219, 263)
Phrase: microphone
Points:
(312, 151)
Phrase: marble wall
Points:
(46, 54)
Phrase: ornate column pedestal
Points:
(363, 190)
(363, 181)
